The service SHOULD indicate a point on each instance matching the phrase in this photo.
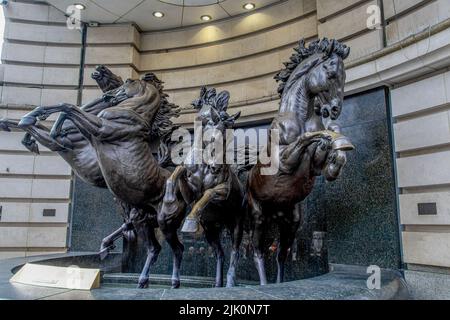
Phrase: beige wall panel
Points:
(364, 45)
(272, 39)
(16, 164)
(346, 24)
(62, 55)
(23, 53)
(23, 74)
(41, 33)
(110, 55)
(61, 212)
(55, 15)
(56, 96)
(409, 208)
(26, 11)
(427, 131)
(248, 90)
(61, 76)
(21, 212)
(424, 170)
(112, 34)
(226, 72)
(418, 20)
(395, 7)
(427, 248)
(326, 8)
(420, 95)
(21, 96)
(40, 54)
(47, 237)
(15, 188)
(41, 76)
(15, 212)
(13, 237)
(51, 165)
(239, 26)
(50, 189)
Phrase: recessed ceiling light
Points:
(158, 14)
(206, 18)
(79, 6)
(249, 6)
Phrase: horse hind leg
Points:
(153, 250)
(147, 233)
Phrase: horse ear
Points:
(229, 122)
(330, 48)
(346, 53)
(236, 116)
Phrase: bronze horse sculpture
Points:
(312, 88)
(210, 187)
(74, 148)
(121, 138)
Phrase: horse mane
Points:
(162, 124)
(219, 105)
(324, 46)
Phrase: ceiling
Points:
(177, 13)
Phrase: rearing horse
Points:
(121, 138)
(312, 88)
(210, 187)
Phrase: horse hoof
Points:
(176, 284)
(231, 283)
(143, 283)
(4, 126)
(27, 121)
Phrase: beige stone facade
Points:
(411, 55)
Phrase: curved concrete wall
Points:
(41, 64)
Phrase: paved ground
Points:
(342, 283)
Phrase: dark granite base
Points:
(342, 283)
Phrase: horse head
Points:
(317, 74)
(105, 79)
(214, 121)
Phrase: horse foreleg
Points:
(38, 132)
(212, 235)
(288, 229)
(177, 249)
(258, 237)
(108, 242)
(235, 254)
(170, 216)
(217, 193)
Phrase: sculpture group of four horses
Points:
(107, 144)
